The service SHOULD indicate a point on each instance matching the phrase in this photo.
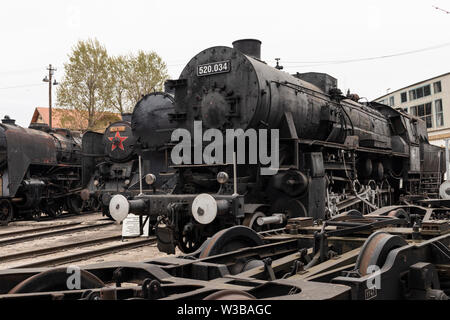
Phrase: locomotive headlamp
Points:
(150, 178)
(127, 182)
(222, 177)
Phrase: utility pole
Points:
(48, 79)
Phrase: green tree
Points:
(119, 67)
(87, 86)
(147, 73)
(95, 83)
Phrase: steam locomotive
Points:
(112, 163)
(336, 155)
(40, 171)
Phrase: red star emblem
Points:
(117, 141)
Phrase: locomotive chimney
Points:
(168, 88)
(249, 47)
(8, 120)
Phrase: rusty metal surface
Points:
(286, 259)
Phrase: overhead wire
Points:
(340, 61)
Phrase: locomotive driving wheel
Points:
(6, 212)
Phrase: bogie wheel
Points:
(6, 212)
(230, 239)
(376, 249)
(400, 214)
(188, 243)
(230, 295)
(56, 280)
(348, 215)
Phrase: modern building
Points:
(428, 99)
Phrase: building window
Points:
(439, 113)
(404, 97)
(420, 92)
(391, 101)
(423, 111)
(437, 87)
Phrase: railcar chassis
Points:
(349, 257)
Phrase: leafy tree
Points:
(87, 86)
(147, 73)
(95, 83)
(119, 68)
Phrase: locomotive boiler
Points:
(335, 154)
(119, 170)
(40, 171)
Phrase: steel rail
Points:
(48, 250)
(35, 230)
(88, 254)
(53, 233)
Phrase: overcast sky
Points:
(36, 33)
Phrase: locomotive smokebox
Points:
(249, 47)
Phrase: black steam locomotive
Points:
(40, 171)
(335, 155)
(112, 162)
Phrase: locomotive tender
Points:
(40, 171)
(119, 170)
(335, 154)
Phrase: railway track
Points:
(48, 232)
(54, 249)
(65, 242)
(64, 216)
(77, 256)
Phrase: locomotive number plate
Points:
(117, 129)
(213, 68)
